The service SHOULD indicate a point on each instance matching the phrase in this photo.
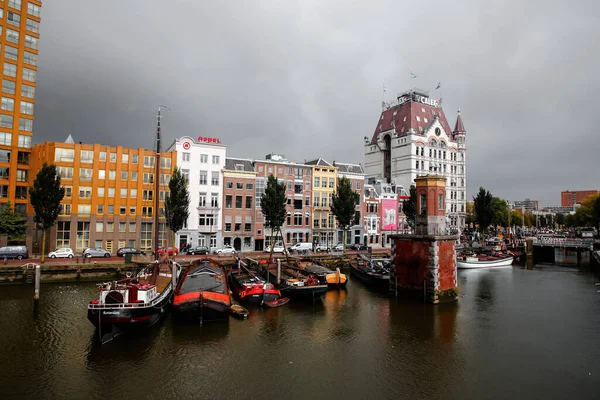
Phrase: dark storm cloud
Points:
(304, 79)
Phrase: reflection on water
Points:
(513, 333)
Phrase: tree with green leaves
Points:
(272, 205)
(410, 207)
(484, 212)
(501, 212)
(343, 205)
(45, 196)
(560, 219)
(588, 214)
(12, 224)
(470, 214)
(177, 202)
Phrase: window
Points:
(237, 227)
(331, 183)
(24, 141)
(21, 192)
(122, 226)
(148, 177)
(8, 104)
(134, 176)
(112, 175)
(164, 179)
(101, 174)
(10, 70)
(132, 210)
(85, 192)
(15, 4)
(134, 158)
(124, 158)
(307, 201)
(84, 209)
(207, 220)
(248, 201)
(101, 191)
(65, 209)
(227, 226)
(8, 86)
(65, 172)
(146, 211)
(215, 178)
(214, 200)
(132, 227)
(239, 185)
(165, 163)
(248, 227)
(11, 53)
(29, 74)
(31, 41)
(85, 174)
(202, 200)
(13, 18)
(146, 236)
(228, 201)
(186, 174)
(25, 124)
(63, 234)
(440, 201)
(85, 156)
(147, 195)
(124, 175)
(123, 192)
(99, 226)
(32, 9)
(317, 181)
(32, 25)
(68, 191)
(12, 36)
(423, 204)
(204, 158)
(203, 177)
(100, 209)
(297, 219)
(248, 186)
(238, 201)
(111, 192)
(148, 161)
(110, 227)
(215, 159)
(185, 157)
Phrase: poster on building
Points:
(390, 210)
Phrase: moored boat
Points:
(294, 283)
(371, 271)
(134, 302)
(250, 288)
(202, 293)
(483, 261)
(325, 275)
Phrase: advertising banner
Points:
(389, 214)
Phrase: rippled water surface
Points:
(514, 333)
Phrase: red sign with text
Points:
(209, 140)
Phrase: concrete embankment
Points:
(70, 271)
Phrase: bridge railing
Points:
(563, 242)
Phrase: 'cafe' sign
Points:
(209, 140)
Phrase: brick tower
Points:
(424, 264)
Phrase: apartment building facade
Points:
(298, 181)
(19, 39)
(324, 178)
(238, 200)
(109, 195)
(201, 161)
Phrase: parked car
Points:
(338, 247)
(225, 251)
(321, 247)
(302, 246)
(96, 252)
(277, 248)
(129, 250)
(63, 252)
(169, 250)
(18, 252)
(359, 247)
(200, 250)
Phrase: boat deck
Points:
(162, 280)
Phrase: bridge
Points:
(543, 249)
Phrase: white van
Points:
(302, 246)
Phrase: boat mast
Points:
(157, 187)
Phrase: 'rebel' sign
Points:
(419, 98)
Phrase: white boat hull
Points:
(503, 262)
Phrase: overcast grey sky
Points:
(304, 79)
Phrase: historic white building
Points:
(202, 162)
(413, 138)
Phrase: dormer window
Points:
(239, 167)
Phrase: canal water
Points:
(514, 333)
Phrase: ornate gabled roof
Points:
(459, 128)
(349, 168)
(239, 164)
(319, 161)
(404, 118)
